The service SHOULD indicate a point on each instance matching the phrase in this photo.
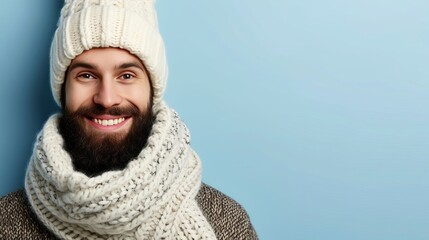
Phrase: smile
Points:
(110, 122)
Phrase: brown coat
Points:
(228, 219)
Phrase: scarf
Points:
(152, 198)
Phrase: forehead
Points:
(106, 56)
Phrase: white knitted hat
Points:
(126, 24)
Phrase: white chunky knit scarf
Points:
(152, 198)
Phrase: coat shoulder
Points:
(227, 217)
(17, 220)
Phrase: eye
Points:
(127, 76)
(85, 76)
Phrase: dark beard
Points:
(94, 154)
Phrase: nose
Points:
(107, 95)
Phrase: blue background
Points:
(312, 114)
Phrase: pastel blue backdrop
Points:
(312, 114)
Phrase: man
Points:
(117, 162)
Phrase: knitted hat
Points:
(126, 24)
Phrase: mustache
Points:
(100, 110)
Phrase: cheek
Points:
(76, 96)
(139, 96)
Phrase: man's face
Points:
(107, 109)
(108, 77)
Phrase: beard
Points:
(94, 153)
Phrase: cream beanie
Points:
(126, 24)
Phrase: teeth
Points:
(109, 122)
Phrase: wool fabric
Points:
(128, 24)
(152, 198)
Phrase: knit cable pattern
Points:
(152, 198)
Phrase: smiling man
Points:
(117, 162)
(107, 96)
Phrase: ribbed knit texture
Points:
(152, 198)
(228, 219)
(126, 24)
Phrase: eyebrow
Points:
(82, 65)
(94, 67)
(131, 64)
